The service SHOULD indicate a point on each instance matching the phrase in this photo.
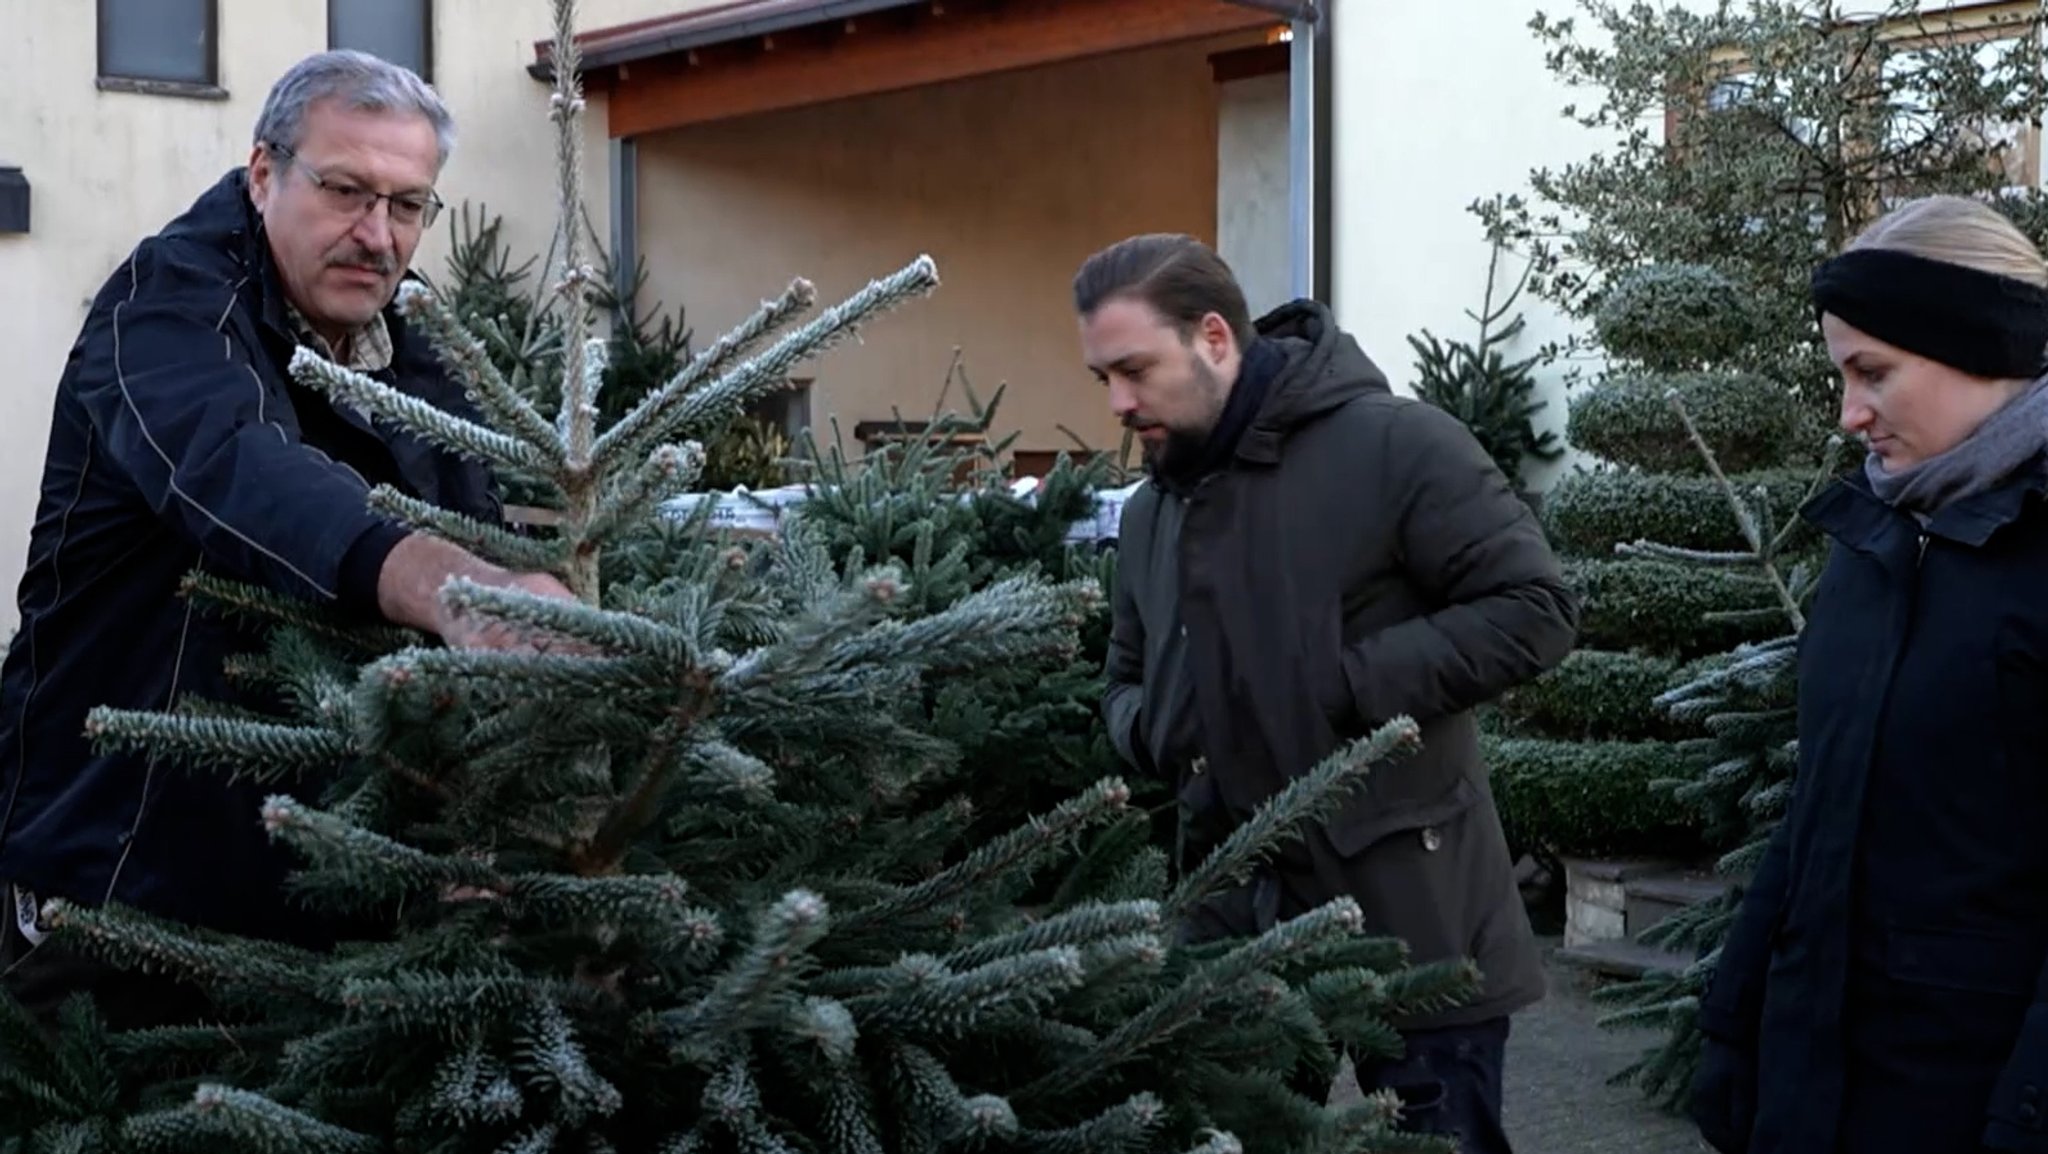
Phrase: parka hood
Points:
(1325, 369)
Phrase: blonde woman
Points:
(1883, 989)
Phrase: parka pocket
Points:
(1363, 826)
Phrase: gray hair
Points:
(360, 82)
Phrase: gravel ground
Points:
(1558, 1100)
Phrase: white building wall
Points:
(1429, 116)
(1251, 186)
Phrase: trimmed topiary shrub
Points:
(1590, 513)
(1627, 419)
(1672, 317)
(1588, 799)
(1671, 608)
(1595, 695)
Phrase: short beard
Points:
(1181, 448)
(1175, 450)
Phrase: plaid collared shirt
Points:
(369, 347)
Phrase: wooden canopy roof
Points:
(749, 56)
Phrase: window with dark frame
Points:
(170, 43)
(401, 31)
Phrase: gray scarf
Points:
(2006, 440)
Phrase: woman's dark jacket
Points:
(1882, 989)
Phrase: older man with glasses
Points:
(181, 443)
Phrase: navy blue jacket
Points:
(1883, 987)
(181, 443)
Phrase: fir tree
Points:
(691, 875)
(939, 502)
(1476, 383)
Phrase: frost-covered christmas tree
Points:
(692, 875)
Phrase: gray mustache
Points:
(381, 264)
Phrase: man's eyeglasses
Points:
(351, 199)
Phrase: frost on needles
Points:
(692, 877)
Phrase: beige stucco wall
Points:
(106, 168)
(1007, 181)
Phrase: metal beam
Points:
(1324, 130)
(625, 208)
(1308, 149)
(1294, 11)
(1301, 111)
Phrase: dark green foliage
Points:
(751, 453)
(1589, 513)
(2027, 209)
(1671, 318)
(1670, 607)
(1779, 159)
(1647, 610)
(1626, 418)
(1588, 798)
(1741, 769)
(518, 317)
(804, 939)
(488, 293)
(951, 519)
(1595, 695)
(919, 499)
(1733, 779)
(1475, 382)
(1669, 1001)
(1644, 614)
(1730, 782)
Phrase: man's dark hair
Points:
(1179, 276)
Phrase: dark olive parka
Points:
(1359, 557)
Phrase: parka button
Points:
(1432, 841)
